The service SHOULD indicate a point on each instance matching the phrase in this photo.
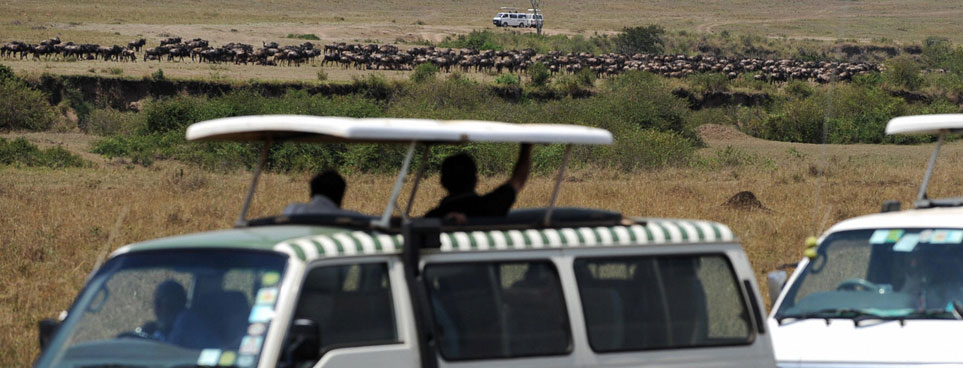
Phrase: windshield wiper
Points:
(828, 314)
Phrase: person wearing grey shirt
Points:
(327, 191)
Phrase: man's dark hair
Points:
(459, 174)
(172, 294)
(329, 184)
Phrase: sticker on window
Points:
(256, 329)
(947, 237)
(250, 344)
(245, 360)
(208, 357)
(227, 359)
(270, 279)
(267, 296)
(907, 243)
(879, 237)
(261, 313)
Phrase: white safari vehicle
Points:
(510, 17)
(880, 290)
(540, 287)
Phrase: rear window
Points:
(661, 302)
(498, 310)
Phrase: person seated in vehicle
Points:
(176, 324)
(327, 191)
(459, 176)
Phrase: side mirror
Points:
(776, 280)
(48, 327)
(304, 341)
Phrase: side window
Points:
(661, 302)
(498, 310)
(352, 304)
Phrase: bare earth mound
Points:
(745, 201)
(716, 132)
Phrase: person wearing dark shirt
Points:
(459, 176)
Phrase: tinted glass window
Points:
(351, 304)
(498, 310)
(173, 305)
(644, 303)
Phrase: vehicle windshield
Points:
(171, 309)
(885, 273)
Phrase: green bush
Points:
(158, 75)
(21, 152)
(507, 79)
(107, 122)
(322, 75)
(424, 72)
(7, 74)
(478, 40)
(703, 83)
(304, 36)
(637, 148)
(646, 39)
(22, 107)
(538, 74)
(904, 72)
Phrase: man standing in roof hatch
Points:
(459, 176)
(327, 192)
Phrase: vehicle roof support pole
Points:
(929, 169)
(385, 220)
(558, 185)
(418, 176)
(241, 219)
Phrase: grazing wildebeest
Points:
(136, 45)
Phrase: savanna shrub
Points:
(22, 107)
(424, 72)
(903, 72)
(708, 82)
(21, 152)
(538, 74)
(507, 79)
(106, 122)
(646, 39)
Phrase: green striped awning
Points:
(653, 232)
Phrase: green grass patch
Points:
(20, 152)
(304, 36)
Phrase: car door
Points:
(362, 308)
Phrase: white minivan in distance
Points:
(881, 290)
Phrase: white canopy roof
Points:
(925, 124)
(388, 130)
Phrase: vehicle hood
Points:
(873, 343)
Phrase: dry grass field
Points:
(110, 22)
(57, 223)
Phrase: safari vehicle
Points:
(510, 17)
(540, 287)
(881, 290)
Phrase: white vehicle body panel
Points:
(918, 342)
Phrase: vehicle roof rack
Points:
(939, 124)
(304, 128)
(524, 218)
(938, 202)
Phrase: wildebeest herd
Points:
(391, 57)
